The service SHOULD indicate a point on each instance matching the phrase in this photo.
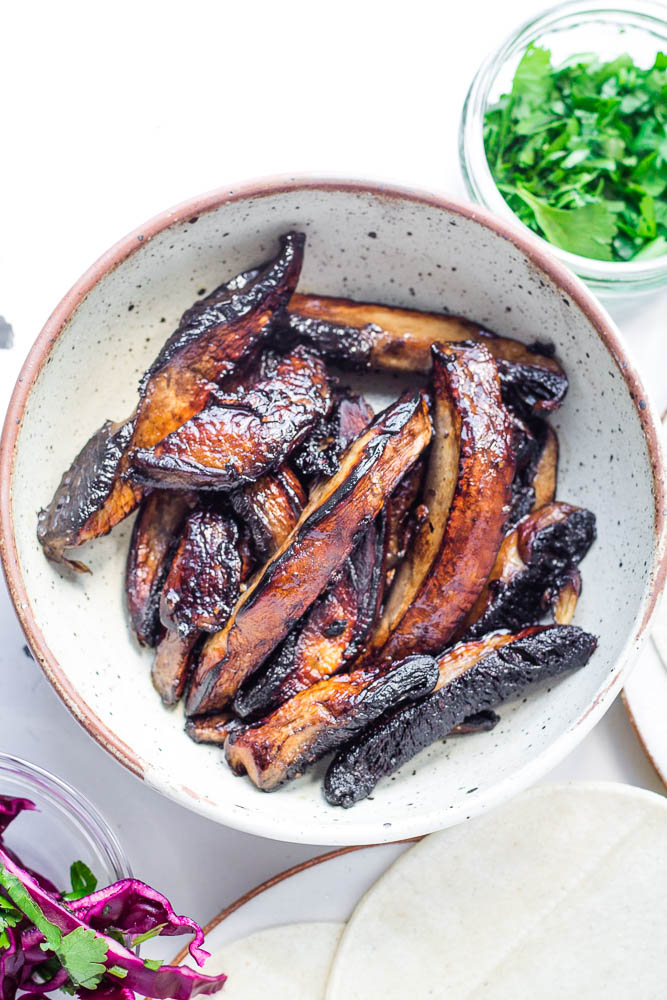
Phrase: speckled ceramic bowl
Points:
(369, 242)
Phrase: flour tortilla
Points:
(283, 963)
(560, 893)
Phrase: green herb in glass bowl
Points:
(579, 152)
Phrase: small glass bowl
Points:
(65, 827)
(608, 29)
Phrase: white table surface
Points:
(114, 112)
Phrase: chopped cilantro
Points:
(579, 152)
(82, 952)
(83, 881)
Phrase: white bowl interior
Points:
(368, 246)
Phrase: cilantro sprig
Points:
(579, 153)
(81, 952)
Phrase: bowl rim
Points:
(526, 244)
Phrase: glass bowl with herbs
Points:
(72, 917)
(565, 129)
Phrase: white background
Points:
(112, 112)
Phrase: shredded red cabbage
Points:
(89, 938)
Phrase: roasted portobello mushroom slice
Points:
(467, 489)
(534, 570)
(331, 633)
(404, 516)
(172, 663)
(212, 729)
(466, 684)
(216, 337)
(536, 451)
(270, 507)
(323, 718)
(362, 335)
(320, 453)
(204, 578)
(241, 436)
(281, 593)
(155, 535)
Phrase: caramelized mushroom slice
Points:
(171, 665)
(362, 335)
(320, 453)
(213, 729)
(322, 539)
(202, 585)
(468, 487)
(465, 684)
(534, 486)
(545, 473)
(241, 436)
(564, 600)
(331, 634)
(270, 507)
(216, 337)
(323, 718)
(534, 563)
(155, 536)
(329, 714)
(402, 518)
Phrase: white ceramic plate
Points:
(368, 242)
(327, 888)
(645, 692)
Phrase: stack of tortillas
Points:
(560, 893)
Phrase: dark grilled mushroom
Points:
(155, 535)
(330, 635)
(241, 436)
(171, 665)
(281, 593)
(469, 477)
(320, 453)
(534, 563)
(362, 335)
(270, 508)
(212, 729)
(323, 718)
(203, 582)
(466, 684)
(215, 338)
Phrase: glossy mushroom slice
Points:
(474, 682)
(270, 507)
(320, 453)
(403, 517)
(203, 582)
(536, 451)
(212, 729)
(242, 435)
(331, 634)
(362, 335)
(172, 663)
(467, 491)
(155, 535)
(535, 564)
(545, 471)
(281, 593)
(215, 338)
(323, 718)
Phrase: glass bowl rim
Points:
(80, 809)
(479, 181)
